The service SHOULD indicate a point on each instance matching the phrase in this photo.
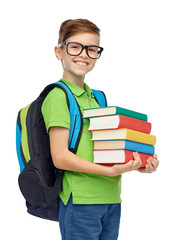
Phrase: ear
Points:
(58, 53)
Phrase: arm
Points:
(64, 159)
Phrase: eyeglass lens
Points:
(75, 49)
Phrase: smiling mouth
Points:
(81, 63)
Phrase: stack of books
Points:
(117, 133)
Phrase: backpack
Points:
(39, 181)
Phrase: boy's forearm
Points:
(71, 162)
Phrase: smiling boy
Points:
(76, 67)
(90, 203)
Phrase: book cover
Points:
(124, 144)
(111, 110)
(111, 157)
(119, 121)
(125, 134)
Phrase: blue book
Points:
(124, 144)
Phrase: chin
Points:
(80, 74)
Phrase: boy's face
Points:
(77, 66)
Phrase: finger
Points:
(137, 161)
(155, 163)
(138, 164)
(150, 166)
(142, 170)
(155, 156)
(136, 155)
(129, 165)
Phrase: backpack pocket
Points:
(32, 187)
(41, 200)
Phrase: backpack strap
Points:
(100, 98)
(76, 124)
(20, 155)
(76, 117)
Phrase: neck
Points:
(77, 80)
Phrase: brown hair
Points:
(72, 27)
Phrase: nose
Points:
(84, 53)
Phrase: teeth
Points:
(81, 63)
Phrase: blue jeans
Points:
(89, 221)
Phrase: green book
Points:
(96, 112)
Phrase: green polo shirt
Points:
(85, 188)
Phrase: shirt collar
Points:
(77, 90)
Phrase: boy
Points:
(90, 203)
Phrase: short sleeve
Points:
(55, 109)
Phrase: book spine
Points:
(136, 136)
(130, 113)
(134, 124)
(139, 147)
(124, 134)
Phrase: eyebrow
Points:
(85, 44)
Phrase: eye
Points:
(74, 46)
(93, 49)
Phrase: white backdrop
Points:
(136, 71)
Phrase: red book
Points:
(115, 156)
(119, 121)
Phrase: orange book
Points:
(115, 156)
(119, 121)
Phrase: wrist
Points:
(114, 170)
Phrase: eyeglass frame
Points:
(83, 47)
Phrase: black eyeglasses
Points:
(75, 49)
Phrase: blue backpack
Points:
(39, 180)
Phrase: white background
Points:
(136, 71)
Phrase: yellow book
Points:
(124, 134)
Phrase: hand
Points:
(152, 164)
(127, 167)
